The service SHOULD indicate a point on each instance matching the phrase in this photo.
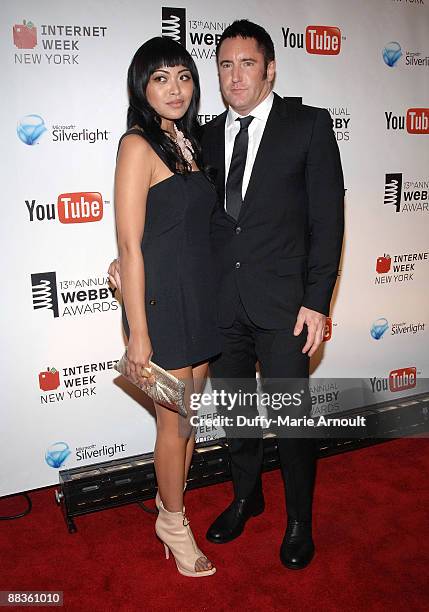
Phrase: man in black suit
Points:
(277, 236)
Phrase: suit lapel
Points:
(267, 149)
(219, 155)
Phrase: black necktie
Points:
(236, 169)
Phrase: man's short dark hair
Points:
(248, 29)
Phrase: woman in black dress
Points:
(163, 204)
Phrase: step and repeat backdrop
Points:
(64, 108)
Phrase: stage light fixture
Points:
(132, 480)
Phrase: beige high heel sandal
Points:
(173, 529)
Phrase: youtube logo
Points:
(82, 207)
(76, 207)
(322, 40)
(327, 334)
(403, 378)
(417, 120)
(319, 40)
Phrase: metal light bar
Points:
(124, 481)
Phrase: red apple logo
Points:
(383, 264)
(49, 380)
(25, 35)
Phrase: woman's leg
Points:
(199, 374)
(173, 433)
(170, 448)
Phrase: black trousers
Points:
(283, 368)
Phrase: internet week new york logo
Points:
(198, 34)
(71, 382)
(52, 44)
(31, 128)
(399, 268)
(406, 196)
(71, 297)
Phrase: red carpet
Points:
(371, 534)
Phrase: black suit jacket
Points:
(285, 247)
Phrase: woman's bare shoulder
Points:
(134, 141)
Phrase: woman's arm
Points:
(134, 169)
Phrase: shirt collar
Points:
(260, 112)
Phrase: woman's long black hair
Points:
(157, 53)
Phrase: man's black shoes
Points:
(297, 549)
(230, 524)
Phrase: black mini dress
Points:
(180, 288)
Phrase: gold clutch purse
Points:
(167, 390)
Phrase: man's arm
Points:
(325, 189)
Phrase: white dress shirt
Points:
(255, 131)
